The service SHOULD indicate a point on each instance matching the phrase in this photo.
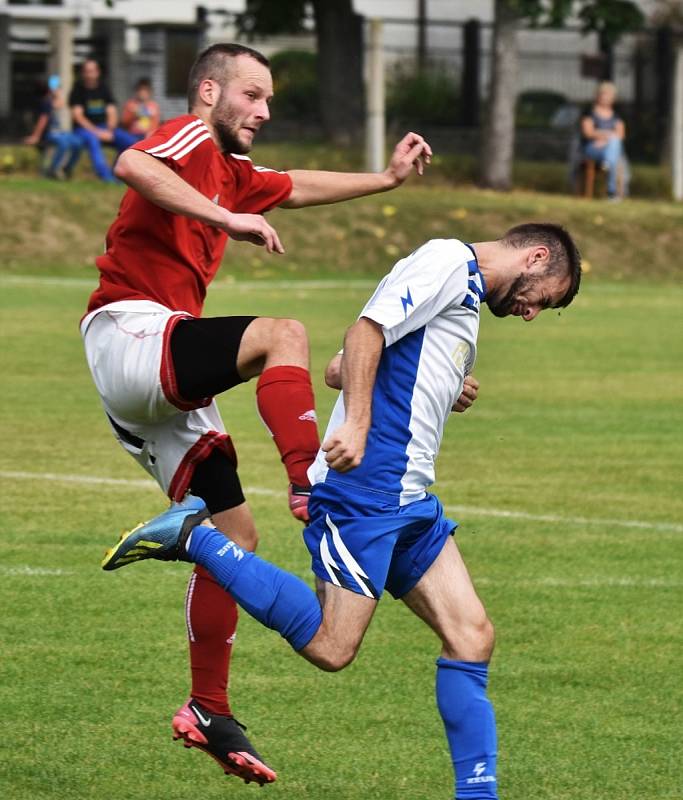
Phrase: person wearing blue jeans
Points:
(92, 141)
(48, 131)
(602, 133)
(95, 117)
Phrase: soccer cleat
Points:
(162, 538)
(223, 739)
(298, 501)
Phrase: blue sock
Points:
(275, 598)
(470, 724)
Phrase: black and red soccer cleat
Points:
(222, 738)
(298, 501)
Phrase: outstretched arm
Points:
(160, 185)
(313, 187)
(363, 344)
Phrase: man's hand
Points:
(470, 390)
(412, 152)
(104, 134)
(345, 447)
(253, 228)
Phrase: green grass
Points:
(579, 417)
(59, 229)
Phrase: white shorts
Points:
(127, 346)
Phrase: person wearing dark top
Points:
(602, 137)
(95, 117)
(48, 131)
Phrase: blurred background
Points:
(489, 81)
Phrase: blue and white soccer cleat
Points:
(162, 538)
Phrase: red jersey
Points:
(153, 254)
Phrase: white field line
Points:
(25, 571)
(672, 527)
(91, 283)
(473, 511)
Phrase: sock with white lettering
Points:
(470, 725)
(275, 598)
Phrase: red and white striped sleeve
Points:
(176, 141)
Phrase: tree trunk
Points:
(499, 131)
(339, 32)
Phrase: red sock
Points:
(211, 615)
(284, 397)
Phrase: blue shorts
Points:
(364, 541)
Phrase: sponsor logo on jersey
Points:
(461, 355)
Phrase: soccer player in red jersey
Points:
(157, 363)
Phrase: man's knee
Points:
(289, 331)
(471, 640)
(335, 659)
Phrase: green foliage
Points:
(609, 18)
(271, 17)
(427, 97)
(536, 108)
(295, 81)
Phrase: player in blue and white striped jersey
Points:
(373, 523)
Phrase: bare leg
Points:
(446, 600)
(346, 616)
(269, 342)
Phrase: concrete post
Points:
(677, 125)
(375, 101)
(61, 62)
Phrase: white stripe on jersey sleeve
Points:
(181, 134)
(258, 169)
(183, 143)
(192, 146)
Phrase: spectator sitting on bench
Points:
(95, 117)
(140, 114)
(602, 138)
(48, 131)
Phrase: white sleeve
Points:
(419, 288)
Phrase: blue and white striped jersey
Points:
(428, 307)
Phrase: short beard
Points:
(502, 306)
(224, 123)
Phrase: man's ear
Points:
(209, 92)
(538, 256)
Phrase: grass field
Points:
(566, 479)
